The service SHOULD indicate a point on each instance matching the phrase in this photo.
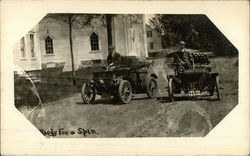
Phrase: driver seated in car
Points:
(114, 58)
(182, 57)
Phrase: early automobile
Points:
(130, 77)
(195, 81)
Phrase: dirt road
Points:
(142, 117)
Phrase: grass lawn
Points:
(55, 84)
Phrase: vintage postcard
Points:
(151, 78)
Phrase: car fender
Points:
(145, 80)
(154, 75)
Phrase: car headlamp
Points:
(207, 69)
(101, 81)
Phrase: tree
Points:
(74, 21)
(196, 30)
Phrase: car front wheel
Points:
(218, 88)
(152, 87)
(170, 90)
(125, 91)
(88, 93)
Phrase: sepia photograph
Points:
(125, 75)
(142, 77)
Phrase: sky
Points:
(147, 17)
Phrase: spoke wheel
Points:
(152, 88)
(170, 90)
(218, 88)
(125, 91)
(88, 93)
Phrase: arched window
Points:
(94, 41)
(49, 45)
(151, 45)
(22, 45)
(32, 47)
(149, 33)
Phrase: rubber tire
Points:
(123, 100)
(92, 99)
(170, 90)
(149, 93)
(217, 85)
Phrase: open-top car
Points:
(130, 77)
(195, 81)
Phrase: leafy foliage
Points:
(196, 30)
(78, 21)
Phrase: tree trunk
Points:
(193, 41)
(109, 28)
(169, 42)
(71, 50)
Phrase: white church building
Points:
(47, 44)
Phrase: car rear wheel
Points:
(152, 87)
(170, 90)
(218, 88)
(88, 93)
(125, 91)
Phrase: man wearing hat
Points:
(182, 57)
(114, 58)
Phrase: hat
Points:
(111, 47)
(182, 43)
